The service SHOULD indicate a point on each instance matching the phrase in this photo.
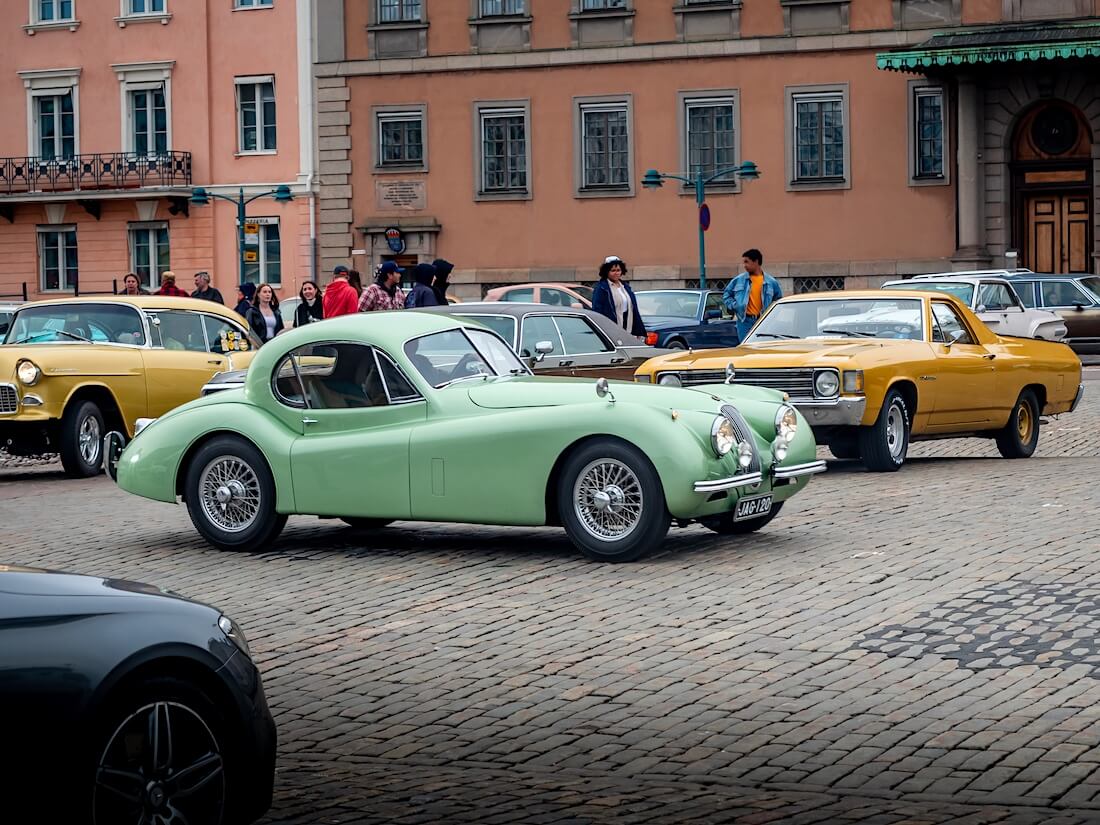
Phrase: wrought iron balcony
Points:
(98, 172)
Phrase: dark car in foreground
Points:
(687, 318)
(127, 704)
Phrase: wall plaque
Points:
(409, 195)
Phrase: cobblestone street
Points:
(918, 647)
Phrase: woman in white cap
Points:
(613, 297)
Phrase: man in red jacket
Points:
(340, 296)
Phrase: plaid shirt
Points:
(374, 298)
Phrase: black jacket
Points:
(420, 295)
(258, 324)
(306, 314)
(210, 294)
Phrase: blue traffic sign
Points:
(704, 217)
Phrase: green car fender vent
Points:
(438, 487)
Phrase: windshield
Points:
(584, 291)
(837, 318)
(455, 355)
(672, 304)
(76, 323)
(1092, 285)
(964, 292)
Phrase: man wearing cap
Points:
(384, 293)
(340, 296)
(168, 285)
(421, 294)
(203, 290)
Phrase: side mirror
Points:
(1079, 307)
(542, 349)
(714, 314)
(982, 308)
(955, 337)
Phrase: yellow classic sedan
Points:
(74, 368)
(870, 371)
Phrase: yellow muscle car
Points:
(870, 370)
(75, 368)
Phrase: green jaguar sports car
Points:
(407, 416)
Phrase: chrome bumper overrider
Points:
(799, 470)
(844, 412)
(717, 485)
(1077, 398)
(113, 443)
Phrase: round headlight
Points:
(744, 454)
(780, 448)
(786, 422)
(722, 436)
(826, 383)
(28, 372)
(670, 379)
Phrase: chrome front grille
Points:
(743, 432)
(690, 379)
(797, 383)
(9, 399)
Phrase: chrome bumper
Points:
(717, 485)
(1077, 398)
(799, 470)
(113, 444)
(844, 412)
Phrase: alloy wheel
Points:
(895, 430)
(90, 440)
(229, 491)
(162, 766)
(607, 499)
(1024, 422)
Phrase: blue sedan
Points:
(687, 318)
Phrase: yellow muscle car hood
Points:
(807, 353)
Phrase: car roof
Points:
(539, 284)
(695, 289)
(142, 302)
(871, 294)
(504, 308)
(1048, 276)
(950, 279)
(998, 272)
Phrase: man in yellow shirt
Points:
(749, 294)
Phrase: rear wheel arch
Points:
(1040, 392)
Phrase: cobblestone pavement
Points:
(918, 647)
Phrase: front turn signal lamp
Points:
(853, 381)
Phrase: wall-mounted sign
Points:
(395, 240)
(251, 256)
(408, 195)
(251, 234)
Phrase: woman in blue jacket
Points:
(613, 297)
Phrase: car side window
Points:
(948, 324)
(537, 328)
(182, 330)
(995, 297)
(714, 301)
(330, 377)
(557, 297)
(522, 296)
(224, 336)
(400, 388)
(1062, 294)
(1026, 291)
(579, 337)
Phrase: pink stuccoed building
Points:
(114, 110)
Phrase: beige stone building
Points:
(892, 136)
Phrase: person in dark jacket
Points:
(312, 307)
(443, 271)
(245, 293)
(263, 316)
(203, 290)
(613, 297)
(421, 295)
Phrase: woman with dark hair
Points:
(245, 293)
(613, 297)
(384, 293)
(263, 316)
(356, 281)
(310, 308)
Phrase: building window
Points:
(263, 252)
(145, 6)
(399, 11)
(602, 5)
(253, 4)
(605, 147)
(49, 11)
(710, 131)
(256, 114)
(148, 122)
(818, 137)
(502, 8)
(828, 283)
(149, 253)
(503, 150)
(55, 126)
(57, 263)
(928, 140)
(401, 139)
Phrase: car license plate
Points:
(752, 507)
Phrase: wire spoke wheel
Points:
(607, 499)
(162, 766)
(229, 491)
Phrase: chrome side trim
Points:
(799, 470)
(718, 484)
(1077, 398)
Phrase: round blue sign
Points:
(704, 217)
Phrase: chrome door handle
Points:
(309, 420)
(219, 363)
(990, 355)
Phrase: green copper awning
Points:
(1005, 44)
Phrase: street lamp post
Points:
(654, 180)
(201, 197)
